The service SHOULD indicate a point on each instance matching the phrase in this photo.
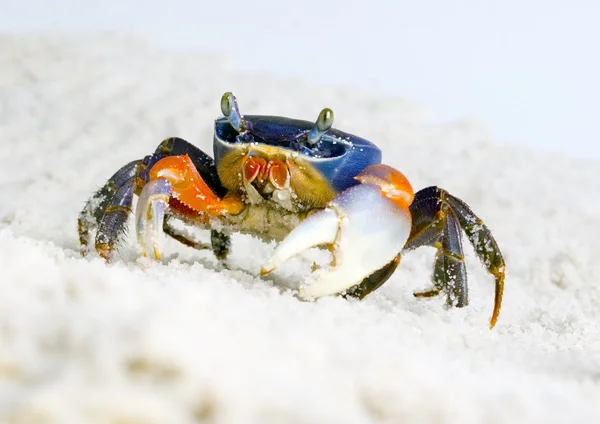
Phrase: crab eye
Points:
(231, 111)
(322, 125)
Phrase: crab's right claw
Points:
(365, 226)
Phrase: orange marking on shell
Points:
(190, 190)
(279, 174)
(394, 185)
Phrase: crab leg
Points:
(174, 182)
(435, 224)
(438, 218)
(485, 246)
(181, 236)
(366, 226)
(108, 210)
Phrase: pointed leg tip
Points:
(106, 255)
(266, 270)
(498, 298)
(427, 293)
(494, 318)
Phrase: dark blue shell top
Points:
(338, 156)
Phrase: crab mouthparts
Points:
(259, 170)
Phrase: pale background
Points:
(528, 70)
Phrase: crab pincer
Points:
(365, 227)
(174, 182)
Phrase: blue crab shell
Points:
(338, 156)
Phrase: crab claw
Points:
(174, 182)
(365, 226)
(150, 214)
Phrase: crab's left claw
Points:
(365, 226)
(150, 215)
(175, 182)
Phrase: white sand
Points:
(181, 341)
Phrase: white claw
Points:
(319, 228)
(367, 230)
(150, 214)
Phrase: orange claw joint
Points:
(393, 184)
(175, 183)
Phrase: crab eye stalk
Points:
(231, 111)
(322, 125)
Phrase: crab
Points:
(302, 184)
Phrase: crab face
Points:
(281, 159)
